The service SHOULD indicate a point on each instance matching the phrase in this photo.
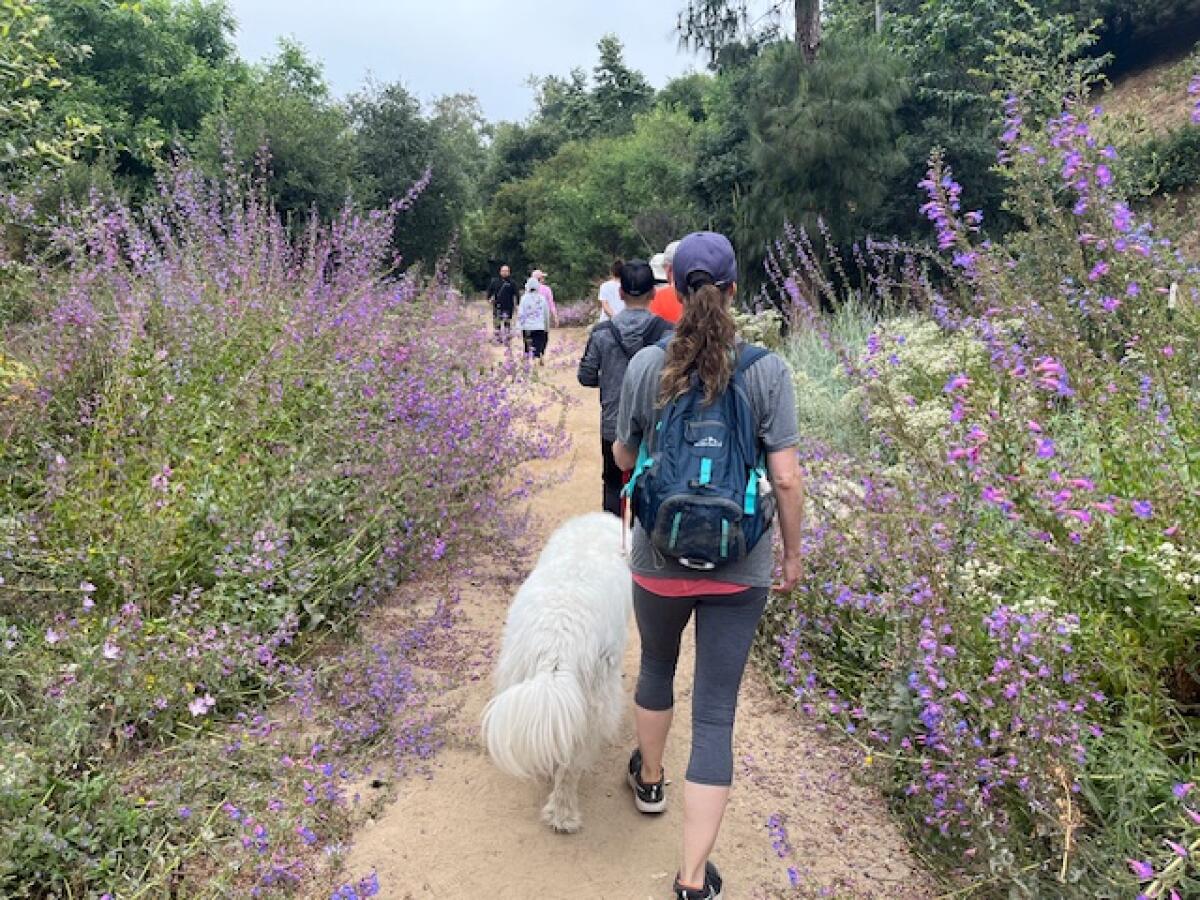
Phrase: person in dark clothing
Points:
(610, 347)
(502, 293)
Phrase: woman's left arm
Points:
(783, 466)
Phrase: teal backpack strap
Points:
(644, 462)
(750, 506)
(759, 472)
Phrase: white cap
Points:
(669, 253)
(658, 265)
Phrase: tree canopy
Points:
(799, 116)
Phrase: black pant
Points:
(614, 478)
(501, 322)
(535, 342)
(725, 627)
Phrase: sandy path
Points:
(470, 831)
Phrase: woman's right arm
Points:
(788, 483)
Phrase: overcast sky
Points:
(485, 47)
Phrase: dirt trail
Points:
(469, 831)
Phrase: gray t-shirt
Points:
(773, 400)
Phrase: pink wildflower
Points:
(1143, 870)
(201, 705)
(957, 383)
(162, 480)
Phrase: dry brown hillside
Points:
(1152, 101)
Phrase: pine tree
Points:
(711, 25)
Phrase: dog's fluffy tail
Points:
(535, 726)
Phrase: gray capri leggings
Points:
(725, 627)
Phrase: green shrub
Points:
(1000, 592)
(218, 443)
(1167, 164)
(816, 352)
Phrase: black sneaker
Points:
(648, 798)
(710, 891)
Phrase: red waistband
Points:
(687, 587)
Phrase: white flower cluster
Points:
(836, 499)
(977, 582)
(15, 766)
(764, 328)
(1030, 605)
(912, 361)
(918, 356)
(1174, 564)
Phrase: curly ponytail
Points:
(704, 341)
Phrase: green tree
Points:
(611, 196)
(459, 121)
(515, 151)
(620, 92)
(462, 131)
(565, 105)
(954, 36)
(712, 25)
(724, 171)
(33, 134)
(825, 144)
(285, 109)
(155, 70)
(397, 144)
(687, 93)
(576, 108)
(573, 116)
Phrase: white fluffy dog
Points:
(558, 698)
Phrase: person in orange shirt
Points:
(666, 303)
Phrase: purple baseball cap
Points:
(705, 251)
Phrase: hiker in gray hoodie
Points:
(610, 347)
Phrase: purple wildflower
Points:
(957, 383)
(1143, 870)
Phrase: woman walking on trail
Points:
(533, 318)
(610, 293)
(727, 600)
(548, 293)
